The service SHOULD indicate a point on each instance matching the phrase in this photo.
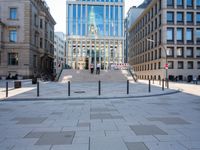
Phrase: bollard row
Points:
(163, 82)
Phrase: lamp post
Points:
(166, 63)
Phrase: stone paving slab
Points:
(169, 120)
(147, 130)
(136, 146)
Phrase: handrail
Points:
(133, 74)
(57, 77)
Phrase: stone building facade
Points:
(27, 38)
(165, 40)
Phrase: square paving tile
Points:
(147, 130)
(101, 116)
(34, 134)
(83, 124)
(136, 146)
(169, 120)
(30, 120)
(56, 138)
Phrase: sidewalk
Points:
(51, 90)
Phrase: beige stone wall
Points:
(26, 47)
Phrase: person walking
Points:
(98, 68)
(92, 68)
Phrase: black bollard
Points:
(6, 89)
(127, 86)
(38, 89)
(153, 80)
(149, 86)
(163, 84)
(159, 81)
(167, 83)
(69, 86)
(99, 89)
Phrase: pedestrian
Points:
(92, 68)
(98, 68)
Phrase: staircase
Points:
(86, 76)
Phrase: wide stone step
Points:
(86, 76)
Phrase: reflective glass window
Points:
(189, 3)
(189, 34)
(179, 2)
(189, 17)
(170, 16)
(179, 16)
(198, 17)
(13, 13)
(170, 2)
(198, 3)
(170, 34)
(13, 36)
(179, 34)
(198, 35)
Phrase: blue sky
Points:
(58, 8)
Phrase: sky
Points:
(58, 11)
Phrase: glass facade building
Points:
(95, 33)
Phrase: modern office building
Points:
(59, 51)
(165, 40)
(95, 33)
(27, 38)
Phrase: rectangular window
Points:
(190, 65)
(198, 17)
(179, 17)
(180, 65)
(189, 17)
(170, 34)
(198, 52)
(180, 52)
(170, 17)
(189, 52)
(189, 34)
(41, 23)
(41, 43)
(198, 65)
(170, 2)
(170, 64)
(198, 35)
(198, 3)
(179, 3)
(13, 13)
(13, 36)
(189, 3)
(179, 34)
(170, 51)
(13, 58)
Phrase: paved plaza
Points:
(141, 120)
(170, 122)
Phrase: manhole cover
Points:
(79, 92)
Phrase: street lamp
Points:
(166, 63)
